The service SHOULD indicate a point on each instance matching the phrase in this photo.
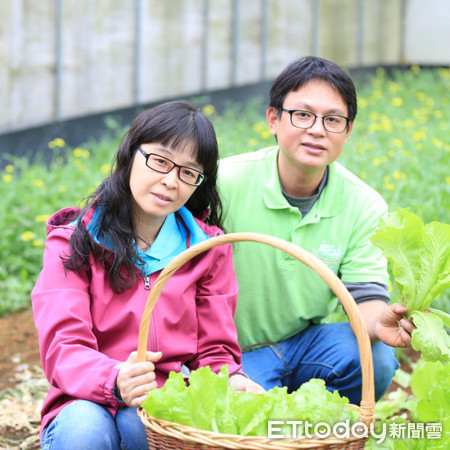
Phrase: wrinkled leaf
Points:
(430, 337)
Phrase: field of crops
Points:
(400, 145)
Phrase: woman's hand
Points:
(244, 384)
(135, 379)
(393, 328)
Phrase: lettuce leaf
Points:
(419, 256)
(207, 403)
(430, 337)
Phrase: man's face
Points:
(309, 150)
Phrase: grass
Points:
(400, 146)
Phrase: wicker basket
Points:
(167, 435)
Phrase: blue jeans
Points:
(327, 351)
(85, 425)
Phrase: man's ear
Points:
(349, 130)
(272, 119)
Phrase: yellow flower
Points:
(9, 168)
(391, 153)
(377, 94)
(266, 134)
(363, 175)
(381, 72)
(386, 124)
(209, 110)
(397, 143)
(393, 87)
(27, 236)
(438, 114)
(421, 96)
(398, 175)
(377, 161)
(362, 102)
(37, 243)
(447, 180)
(252, 142)
(42, 218)
(57, 142)
(444, 73)
(386, 178)
(415, 69)
(374, 127)
(38, 183)
(419, 135)
(397, 101)
(105, 168)
(62, 189)
(437, 143)
(81, 153)
(408, 123)
(7, 178)
(389, 187)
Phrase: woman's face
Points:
(156, 194)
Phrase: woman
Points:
(101, 261)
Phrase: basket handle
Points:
(355, 318)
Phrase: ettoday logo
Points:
(282, 429)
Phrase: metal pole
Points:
(360, 32)
(315, 25)
(235, 42)
(205, 46)
(137, 51)
(264, 37)
(58, 57)
(402, 50)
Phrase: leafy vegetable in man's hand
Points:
(419, 255)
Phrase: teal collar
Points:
(179, 231)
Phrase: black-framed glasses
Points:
(162, 164)
(334, 123)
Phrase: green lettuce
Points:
(419, 257)
(208, 403)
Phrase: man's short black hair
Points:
(308, 68)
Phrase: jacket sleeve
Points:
(217, 293)
(68, 345)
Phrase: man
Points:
(296, 191)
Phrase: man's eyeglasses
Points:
(162, 164)
(333, 123)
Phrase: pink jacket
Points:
(86, 330)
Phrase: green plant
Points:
(419, 257)
(208, 404)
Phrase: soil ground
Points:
(23, 386)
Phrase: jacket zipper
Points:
(152, 329)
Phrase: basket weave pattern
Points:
(166, 435)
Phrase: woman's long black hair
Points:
(178, 125)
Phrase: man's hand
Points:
(136, 379)
(393, 328)
(387, 323)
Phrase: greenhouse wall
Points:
(65, 59)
